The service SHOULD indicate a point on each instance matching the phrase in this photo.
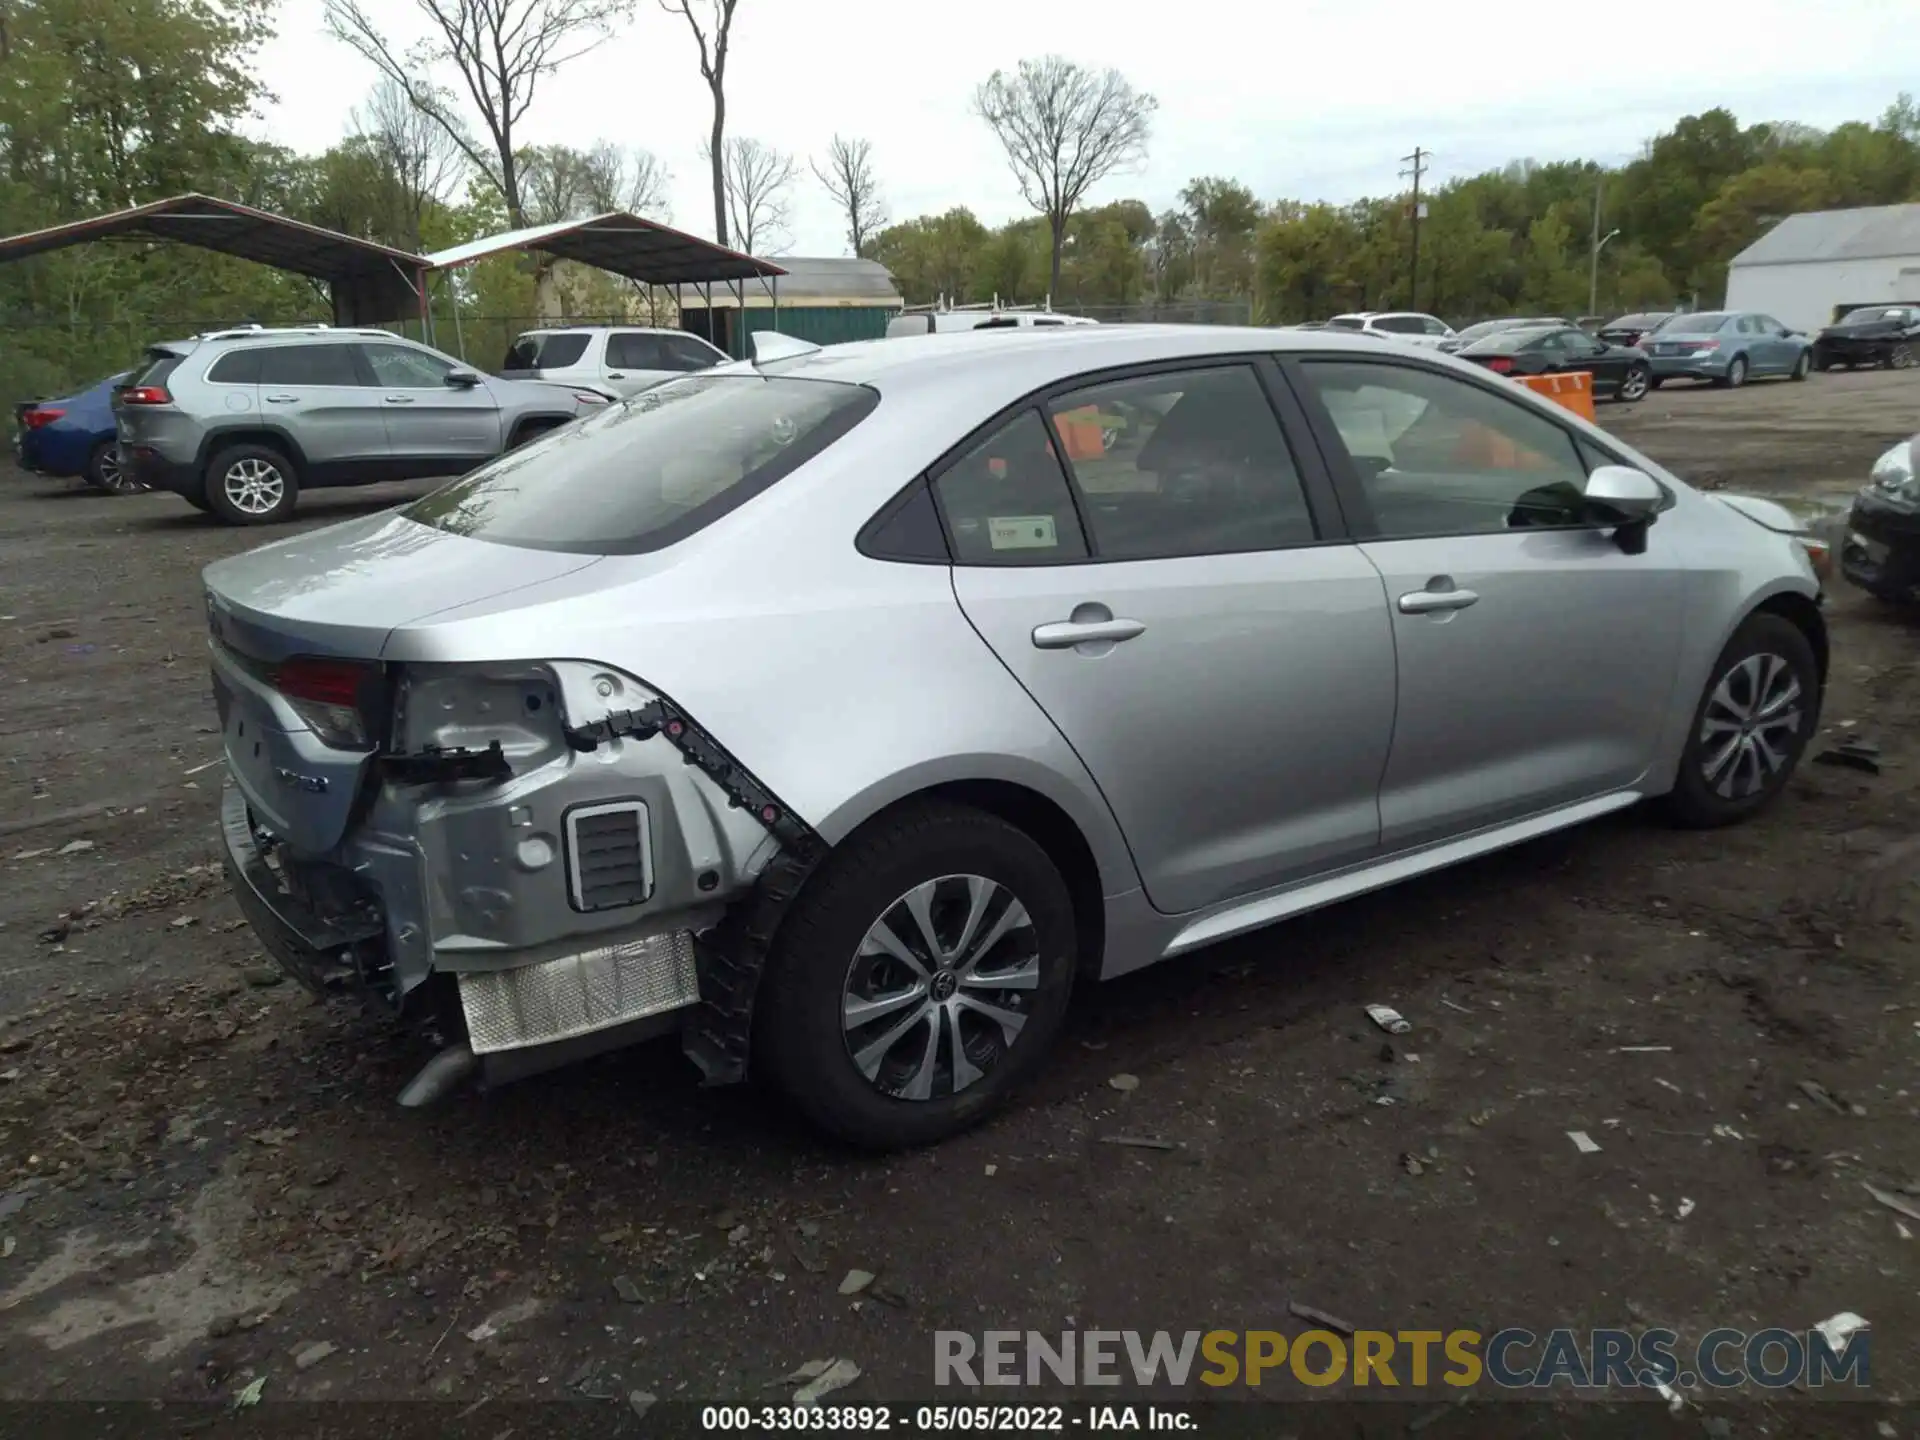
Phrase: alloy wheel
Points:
(1901, 357)
(115, 476)
(938, 991)
(1634, 386)
(1750, 725)
(255, 486)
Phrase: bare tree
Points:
(1064, 129)
(714, 39)
(634, 180)
(758, 178)
(848, 177)
(501, 50)
(421, 160)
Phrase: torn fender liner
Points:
(730, 958)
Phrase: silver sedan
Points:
(841, 711)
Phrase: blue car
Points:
(74, 438)
(1726, 347)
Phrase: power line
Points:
(1418, 159)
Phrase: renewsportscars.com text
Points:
(1510, 1359)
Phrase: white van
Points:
(946, 322)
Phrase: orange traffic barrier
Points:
(1081, 433)
(1574, 390)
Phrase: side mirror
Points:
(1627, 498)
(462, 378)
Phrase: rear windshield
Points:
(650, 471)
(1638, 322)
(1876, 312)
(155, 369)
(1346, 322)
(1693, 324)
(545, 351)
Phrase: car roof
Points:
(1032, 358)
(605, 329)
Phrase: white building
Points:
(1808, 266)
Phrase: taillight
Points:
(327, 695)
(37, 417)
(145, 395)
(1500, 365)
(1702, 344)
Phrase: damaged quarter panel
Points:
(772, 632)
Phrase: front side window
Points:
(650, 471)
(683, 352)
(546, 350)
(308, 365)
(1189, 463)
(631, 351)
(1006, 500)
(1433, 326)
(1435, 455)
(404, 368)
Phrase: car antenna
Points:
(769, 345)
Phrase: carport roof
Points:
(1872, 232)
(231, 228)
(621, 244)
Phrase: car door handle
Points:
(1065, 634)
(399, 399)
(1428, 602)
(616, 374)
(283, 399)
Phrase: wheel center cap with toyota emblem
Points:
(944, 984)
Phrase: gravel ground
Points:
(205, 1180)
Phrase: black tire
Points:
(255, 470)
(1736, 373)
(199, 502)
(531, 431)
(1802, 366)
(801, 1044)
(105, 474)
(1822, 360)
(1634, 385)
(1900, 357)
(1699, 803)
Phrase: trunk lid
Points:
(335, 594)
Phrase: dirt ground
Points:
(203, 1174)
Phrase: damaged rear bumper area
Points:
(570, 899)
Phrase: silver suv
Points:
(624, 359)
(237, 422)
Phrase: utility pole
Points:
(1599, 241)
(1418, 159)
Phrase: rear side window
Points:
(648, 472)
(546, 351)
(1006, 500)
(1190, 463)
(241, 367)
(307, 365)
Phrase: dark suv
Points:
(237, 422)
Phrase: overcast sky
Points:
(1309, 99)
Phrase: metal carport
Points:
(369, 282)
(633, 247)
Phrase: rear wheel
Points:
(1752, 724)
(1802, 365)
(252, 485)
(1900, 357)
(1635, 384)
(105, 472)
(921, 975)
(1736, 373)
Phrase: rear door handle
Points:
(1065, 634)
(1428, 602)
(399, 399)
(616, 374)
(283, 399)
